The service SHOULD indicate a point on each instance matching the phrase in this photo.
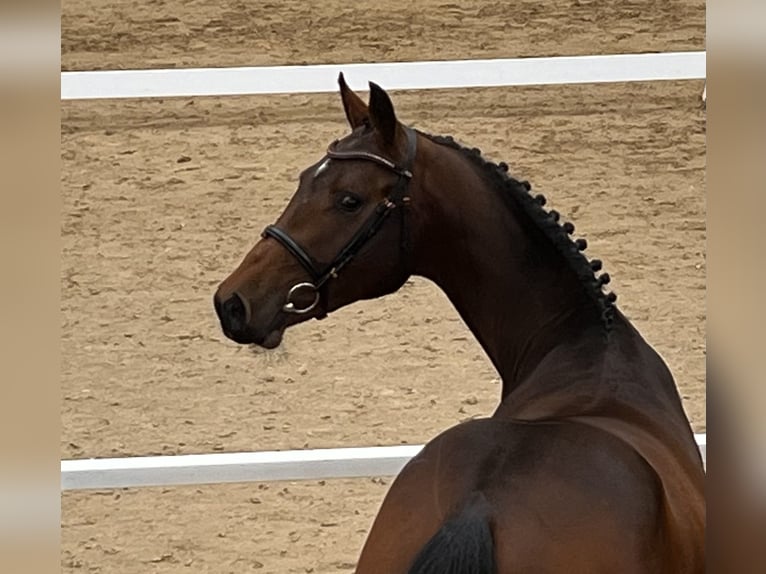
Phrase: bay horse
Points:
(589, 464)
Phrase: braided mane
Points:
(547, 222)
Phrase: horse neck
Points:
(515, 294)
(532, 315)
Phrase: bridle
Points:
(321, 274)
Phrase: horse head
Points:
(342, 237)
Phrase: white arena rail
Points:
(244, 466)
(190, 82)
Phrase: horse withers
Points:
(589, 464)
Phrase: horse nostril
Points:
(233, 313)
(235, 308)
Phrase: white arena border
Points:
(191, 82)
(190, 469)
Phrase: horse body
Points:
(589, 463)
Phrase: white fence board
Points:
(392, 76)
(243, 466)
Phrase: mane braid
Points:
(548, 223)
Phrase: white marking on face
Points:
(322, 166)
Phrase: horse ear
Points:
(382, 116)
(357, 113)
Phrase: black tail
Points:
(463, 545)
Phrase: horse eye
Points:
(349, 202)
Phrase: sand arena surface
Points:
(162, 199)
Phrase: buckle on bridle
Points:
(290, 307)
